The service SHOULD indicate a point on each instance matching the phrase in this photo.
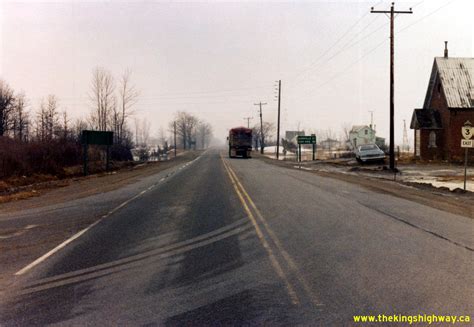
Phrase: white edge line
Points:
(77, 235)
(56, 249)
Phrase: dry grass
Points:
(18, 196)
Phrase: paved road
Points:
(242, 242)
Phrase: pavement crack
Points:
(417, 227)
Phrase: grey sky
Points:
(217, 59)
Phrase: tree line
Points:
(46, 140)
(191, 132)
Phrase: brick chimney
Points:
(446, 49)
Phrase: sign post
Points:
(98, 138)
(310, 139)
(314, 146)
(467, 130)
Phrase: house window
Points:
(366, 132)
(417, 142)
(432, 141)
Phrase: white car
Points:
(369, 152)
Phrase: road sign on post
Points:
(307, 139)
(466, 143)
(97, 138)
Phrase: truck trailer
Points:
(240, 142)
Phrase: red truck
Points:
(240, 142)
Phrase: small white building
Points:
(361, 134)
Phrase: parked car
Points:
(369, 152)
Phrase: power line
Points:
(425, 16)
(314, 62)
(349, 47)
(344, 71)
(343, 48)
(348, 67)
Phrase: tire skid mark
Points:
(135, 261)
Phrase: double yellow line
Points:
(247, 202)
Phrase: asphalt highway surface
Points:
(241, 242)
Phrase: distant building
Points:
(330, 144)
(448, 104)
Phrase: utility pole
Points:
(248, 121)
(262, 136)
(175, 139)
(278, 123)
(392, 13)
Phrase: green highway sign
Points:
(310, 139)
(97, 137)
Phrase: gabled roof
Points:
(426, 119)
(457, 79)
(357, 128)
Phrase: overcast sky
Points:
(216, 59)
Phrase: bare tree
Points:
(47, 121)
(137, 131)
(7, 101)
(128, 97)
(346, 129)
(52, 116)
(64, 130)
(79, 125)
(142, 132)
(185, 127)
(20, 119)
(162, 138)
(145, 132)
(204, 134)
(102, 98)
(268, 130)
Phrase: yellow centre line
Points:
(276, 265)
(291, 263)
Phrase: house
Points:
(448, 105)
(361, 134)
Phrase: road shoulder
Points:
(460, 204)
